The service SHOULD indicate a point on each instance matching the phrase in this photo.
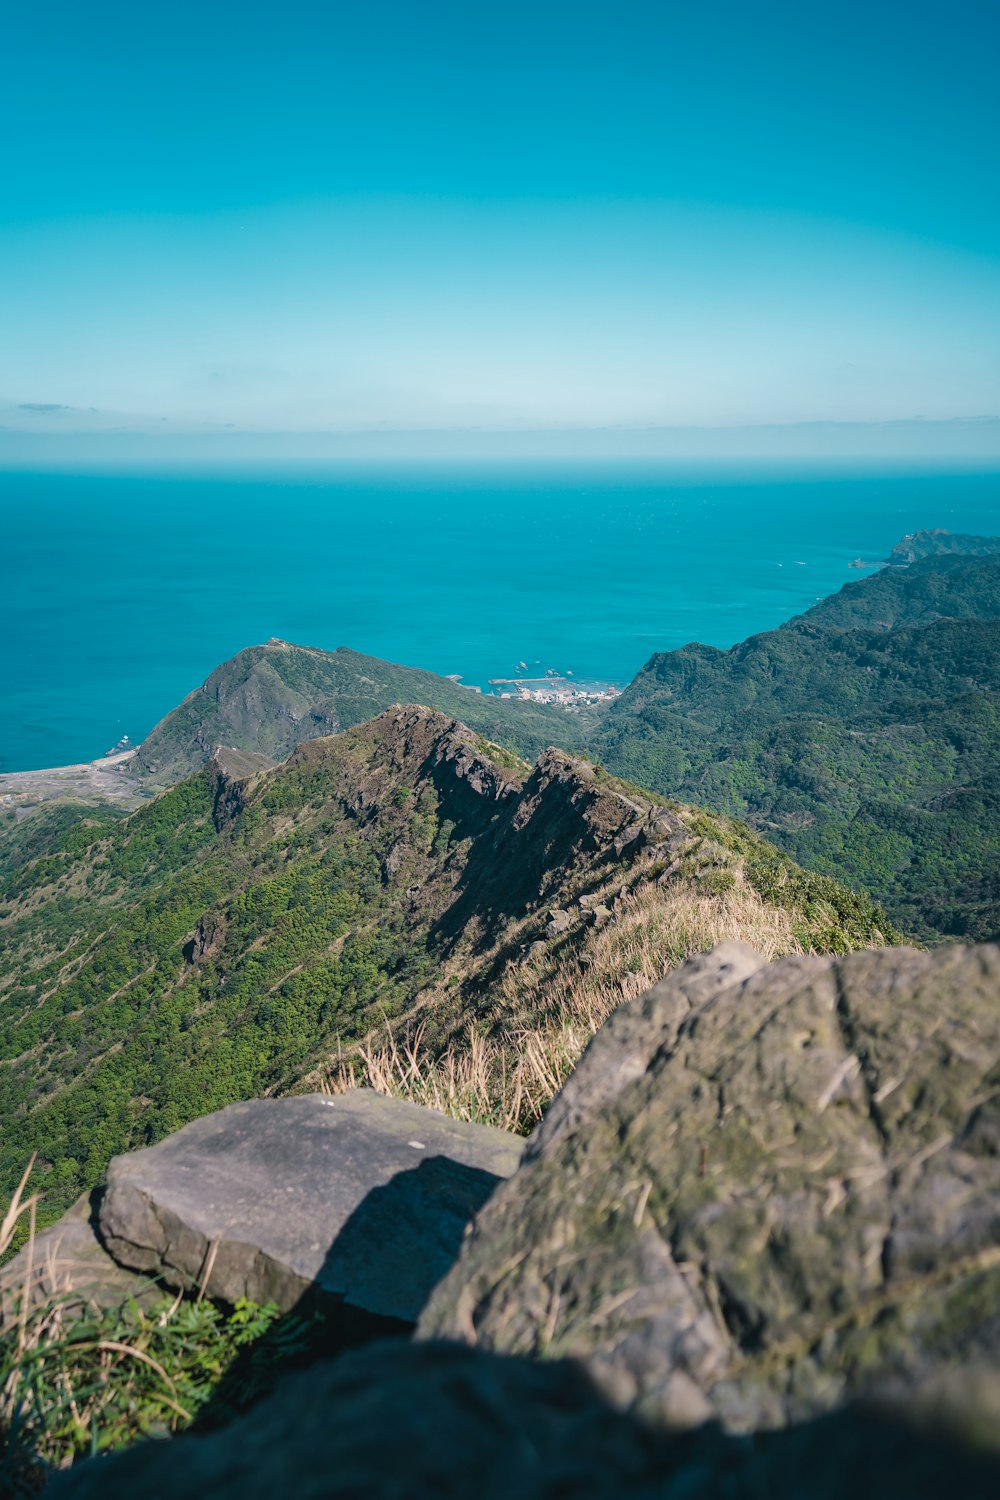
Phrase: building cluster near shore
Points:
(553, 689)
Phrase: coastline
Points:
(616, 564)
(103, 780)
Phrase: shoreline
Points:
(103, 780)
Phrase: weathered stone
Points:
(393, 861)
(764, 1187)
(209, 938)
(559, 922)
(68, 1262)
(362, 1198)
(400, 1421)
(599, 915)
(625, 1046)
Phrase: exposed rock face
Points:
(568, 804)
(419, 742)
(635, 1033)
(234, 773)
(562, 816)
(362, 1198)
(438, 1422)
(768, 1195)
(764, 1189)
(209, 938)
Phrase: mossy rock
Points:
(766, 1189)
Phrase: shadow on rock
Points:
(445, 1422)
(371, 1264)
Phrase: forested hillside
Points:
(939, 543)
(861, 736)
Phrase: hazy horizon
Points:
(896, 445)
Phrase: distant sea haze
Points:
(120, 592)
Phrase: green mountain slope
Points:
(861, 736)
(270, 698)
(52, 826)
(249, 926)
(950, 586)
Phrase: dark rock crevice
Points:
(855, 1046)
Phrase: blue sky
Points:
(317, 216)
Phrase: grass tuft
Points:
(77, 1379)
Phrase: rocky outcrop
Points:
(356, 1202)
(209, 938)
(356, 1198)
(569, 805)
(563, 818)
(753, 1250)
(429, 747)
(439, 1422)
(628, 1042)
(766, 1190)
(234, 774)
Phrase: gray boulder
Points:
(766, 1189)
(357, 1197)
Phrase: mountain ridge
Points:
(247, 928)
(857, 735)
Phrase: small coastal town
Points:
(552, 687)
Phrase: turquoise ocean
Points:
(120, 591)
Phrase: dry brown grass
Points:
(18, 1206)
(505, 1068)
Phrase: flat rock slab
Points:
(360, 1197)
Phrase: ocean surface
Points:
(119, 592)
